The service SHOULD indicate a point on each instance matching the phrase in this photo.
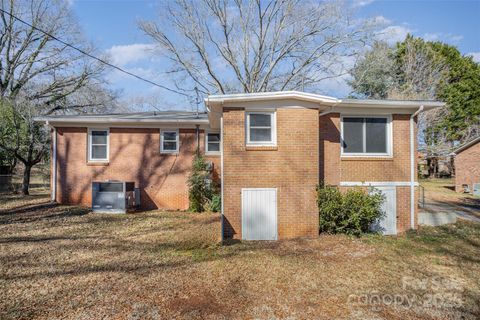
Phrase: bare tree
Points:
(39, 75)
(224, 46)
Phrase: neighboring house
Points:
(269, 150)
(435, 165)
(467, 166)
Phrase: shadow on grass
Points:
(449, 187)
(460, 241)
(39, 212)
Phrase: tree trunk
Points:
(26, 179)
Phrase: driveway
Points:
(442, 212)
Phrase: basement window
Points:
(98, 145)
(212, 143)
(169, 141)
(366, 136)
(260, 127)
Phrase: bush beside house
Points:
(352, 212)
(203, 192)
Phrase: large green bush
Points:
(352, 212)
(203, 192)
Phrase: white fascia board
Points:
(390, 104)
(376, 184)
(266, 96)
(83, 121)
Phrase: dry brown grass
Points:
(443, 190)
(64, 262)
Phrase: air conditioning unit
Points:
(114, 196)
(476, 189)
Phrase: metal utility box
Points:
(113, 196)
(476, 189)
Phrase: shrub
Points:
(198, 185)
(352, 212)
(216, 203)
(203, 192)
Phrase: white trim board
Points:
(377, 184)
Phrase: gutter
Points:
(82, 120)
(412, 167)
(222, 217)
(332, 108)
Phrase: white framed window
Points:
(261, 128)
(98, 141)
(169, 141)
(212, 142)
(366, 135)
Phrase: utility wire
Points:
(94, 57)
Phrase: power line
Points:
(94, 57)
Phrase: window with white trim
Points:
(212, 142)
(369, 135)
(260, 127)
(98, 144)
(169, 141)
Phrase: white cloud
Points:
(393, 34)
(125, 54)
(475, 55)
(381, 20)
(361, 3)
(444, 37)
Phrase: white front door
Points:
(259, 214)
(388, 223)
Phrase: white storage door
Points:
(388, 224)
(259, 214)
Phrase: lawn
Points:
(65, 262)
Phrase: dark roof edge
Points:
(467, 145)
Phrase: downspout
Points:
(321, 114)
(197, 132)
(332, 108)
(412, 167)
(221, 178)
(54, 164)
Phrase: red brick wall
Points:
(467, 167)
(335, 169)
(134, 156)
(291, 167)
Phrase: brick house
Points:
(269, 151)
(467, 166)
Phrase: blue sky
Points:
(112, 26)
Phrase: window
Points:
(212, 143)
(261, 128)
(169, 141)
(366, 136)
(98, 144)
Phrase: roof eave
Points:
(269, 96)
(80, 120)
(393, 104)
(466, 146)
